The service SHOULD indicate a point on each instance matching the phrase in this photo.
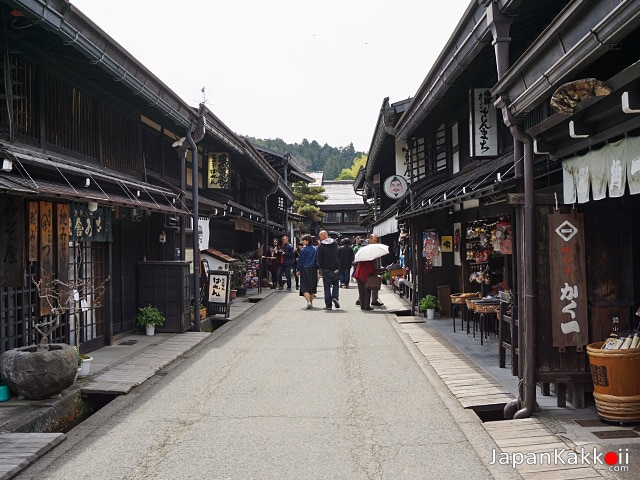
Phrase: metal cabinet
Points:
(167, 285)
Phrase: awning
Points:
(56, 190)
(607, 170)
(489, 177)
(28, 168)
(390, 225)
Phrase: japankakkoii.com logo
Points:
(618, 460)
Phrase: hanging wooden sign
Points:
(33, 232)
(46, 250)
(62, 214)
(11, 241)
(568, 281)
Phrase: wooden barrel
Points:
(616, 382)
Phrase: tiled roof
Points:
(340, 192)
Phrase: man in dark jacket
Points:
(330, 266)
(345, 257)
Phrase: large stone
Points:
(38, 372)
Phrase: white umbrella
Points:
(371, 252)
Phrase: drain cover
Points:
(609, 434)
(128, 342)
(591, 422)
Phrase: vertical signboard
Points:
(219, 292)
(218, 170)
(62, 213)
(46, 251)
(11, 241)
(484, 124)
(32, 243)
(568, 281)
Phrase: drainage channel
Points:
(85, 407)
(490, 413)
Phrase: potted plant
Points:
(238, 271)
(386, 277)
(84, 363)
(202, 312)
(150, 317)
(429, 304)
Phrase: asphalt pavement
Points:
(364, 378)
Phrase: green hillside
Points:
(313, 157)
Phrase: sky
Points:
(289, 69)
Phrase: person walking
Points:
(355, 246)
(329, 264)
(345, 258)
(272, 263)
(373, 238)
(296, 257)
(307, 271)
(286, 261)
(363, 270)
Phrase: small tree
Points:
(62, 297)
(306, 200)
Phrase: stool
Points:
(484, 311)
(471, 307)
(458, 303)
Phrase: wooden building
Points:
(98, 177)
(518, 151)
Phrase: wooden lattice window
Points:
(70, 117)
(415, 159)
(120, 141)
(17, 93)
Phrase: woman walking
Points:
(307, 270)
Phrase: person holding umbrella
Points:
(366, 258)
(373, 239)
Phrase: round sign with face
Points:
(395, 186)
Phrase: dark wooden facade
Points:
(524, 51)
(84, 124)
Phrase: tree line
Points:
(336, 163)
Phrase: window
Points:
(352, 216)
(70, 116)
(427, 156)
(332, 217)
(22, 108)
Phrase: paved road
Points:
(287, 393)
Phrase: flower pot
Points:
(5, 394)
(233, 294)
(85, 367)
(430, 313)
(203, 313)
(150, 330)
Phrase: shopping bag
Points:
(373, 282)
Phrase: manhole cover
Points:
(609, 434)
(591, 422)
(128, 342)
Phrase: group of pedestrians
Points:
(281, 258)
(333, 262)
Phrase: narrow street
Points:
(286, 393)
